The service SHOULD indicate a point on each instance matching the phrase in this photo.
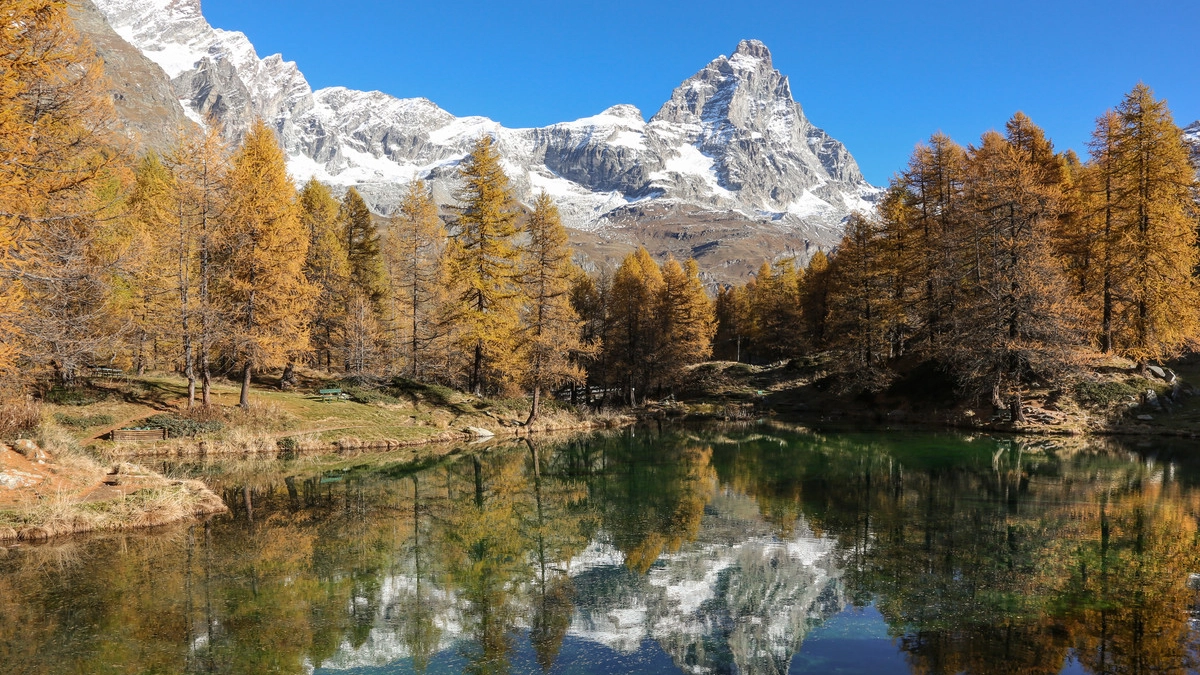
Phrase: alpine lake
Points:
(748, 549)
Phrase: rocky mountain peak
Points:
(753, 49)
(626, 111)
(730, 149)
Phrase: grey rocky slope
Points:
(730, 146)
(1191, 134)
(144, 100)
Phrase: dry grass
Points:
(61, 515)
(153, 501)
(19, 418)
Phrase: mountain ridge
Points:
(729, 146)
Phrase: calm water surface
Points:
(747, 550)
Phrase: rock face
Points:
(143, 97)
(1191, 134)
(730, 142)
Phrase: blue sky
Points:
(879, 76)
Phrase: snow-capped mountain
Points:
(1191, 134)
(730, 140)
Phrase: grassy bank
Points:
(367, 415)
(54, 488)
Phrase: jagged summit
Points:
(752, 49)
(730, 141)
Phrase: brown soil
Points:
(42, 499)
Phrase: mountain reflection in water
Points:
(745, 550)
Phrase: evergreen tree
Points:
(552, 328)
(815, 300)
(591, 297)
(482, 264)
(734, 316)
(266, 296)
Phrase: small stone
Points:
(31, 450)
(479, 432)
(1157, 372)
(1146, 418)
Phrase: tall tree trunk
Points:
(477, 371)
(287, 381)
(533, 410)
(1017, 413)
(244, 401)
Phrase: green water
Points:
(747, 550)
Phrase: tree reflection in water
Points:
(724, 550)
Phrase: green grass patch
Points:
(84, 421)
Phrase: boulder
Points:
(31, 450)
(479, 432)
(1158, 372)
(1150, 398)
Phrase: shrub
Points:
(1106, 392)
(178, 426)
(83, 421)
(73, 396)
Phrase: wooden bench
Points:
(139, 435)
(331, 394)
(105, 371)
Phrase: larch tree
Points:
(1098, 241)
(363, 247)
(859, 290)
(58, 248)
(635, 338)
(200, 164)
(264, 246)
(1158, 310)
(482, 264)
(686, 317)
(413, 251)
(154, 211)
(934, 183)
(550, 343)
(1018, 319)
(327, 267)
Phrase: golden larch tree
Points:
(1157, 311)
(327, 267)
(413, 252)
(263, 289)
(482, 261)
(551, 329)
